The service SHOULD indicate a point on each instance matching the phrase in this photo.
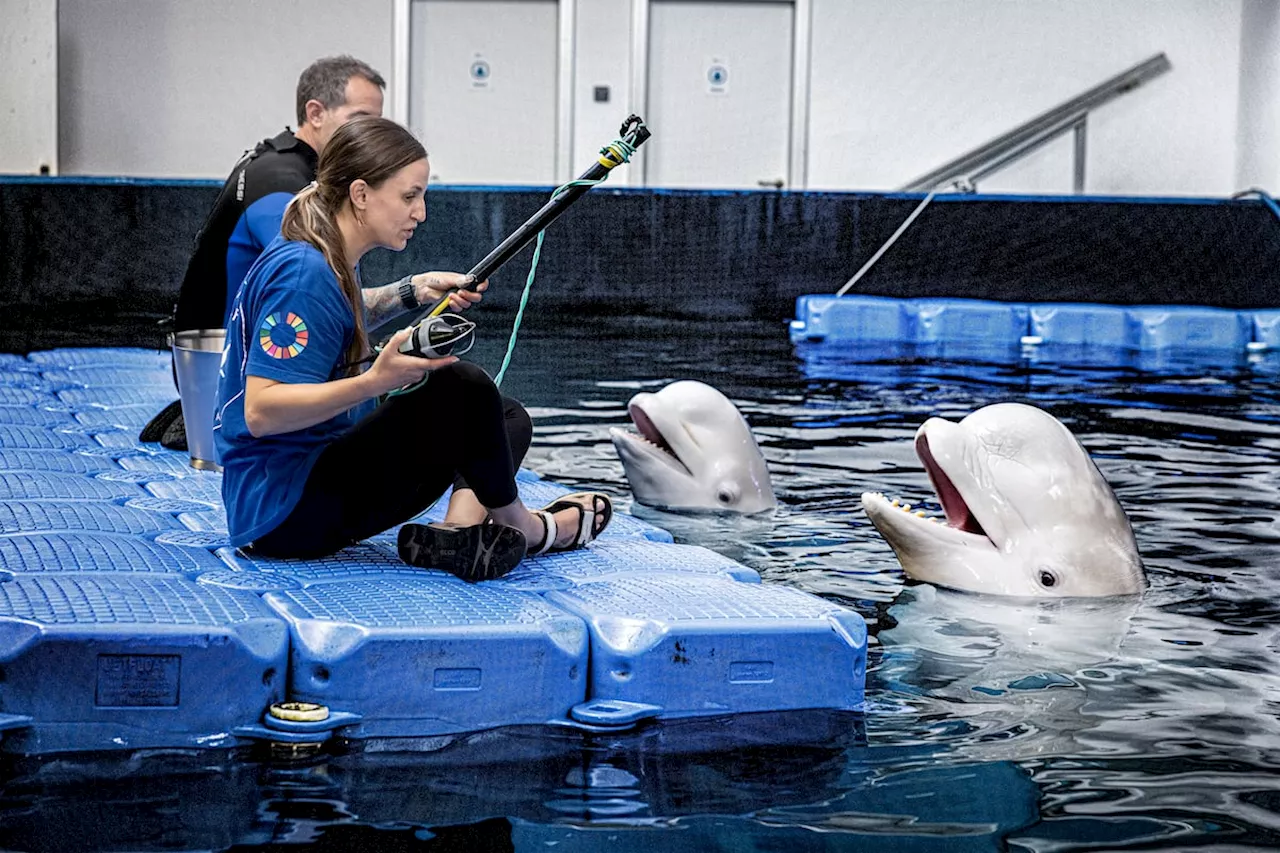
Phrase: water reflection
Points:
(802, 780)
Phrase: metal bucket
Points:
(197, 357)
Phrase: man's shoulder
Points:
(280, 164)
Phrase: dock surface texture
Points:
(127, 621)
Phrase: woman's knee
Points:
(461, 383)
(465, 377)
(519, 428)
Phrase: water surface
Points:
(1139, 724)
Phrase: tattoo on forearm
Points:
(381, 304)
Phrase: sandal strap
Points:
(586, 526)
(549, 537)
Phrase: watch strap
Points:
(408, 293)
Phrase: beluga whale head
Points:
(1027, 513)
(694, 452)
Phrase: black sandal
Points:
(476, 552)
(156, 427)
(591, 522)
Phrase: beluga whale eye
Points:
(726, 494)
(1048, 578)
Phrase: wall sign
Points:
(480, 72)
(718, 76)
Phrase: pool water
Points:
(1147, 723)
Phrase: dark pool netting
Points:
(128, 622)
(87, 248)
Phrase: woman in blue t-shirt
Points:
(309, 464)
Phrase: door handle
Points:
(776, 183)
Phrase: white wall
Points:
(898, 89)
(171, 88)
(1258, 151)
(28, 94)
(602, 57)
(178, 89)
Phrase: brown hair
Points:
(325, 80)
(368, 148)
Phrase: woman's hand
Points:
(272, 407)
(393, 369)
(430, 287)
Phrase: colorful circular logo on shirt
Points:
(283, 335)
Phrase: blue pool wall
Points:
(104, 246)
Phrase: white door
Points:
(29, 106)
(719, 93)
(483, 90)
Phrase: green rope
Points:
(528, 285)
(619, 147)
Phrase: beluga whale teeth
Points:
(1025, 511)
(692, 451)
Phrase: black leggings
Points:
(397, 461)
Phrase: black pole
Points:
(633, 132)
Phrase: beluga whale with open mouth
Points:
(1027, 513)
(694, 452)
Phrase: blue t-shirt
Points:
(290, 322)
(257, 227)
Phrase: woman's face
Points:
(394, 209)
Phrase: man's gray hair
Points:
(325, 80)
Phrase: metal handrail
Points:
(1010, 147)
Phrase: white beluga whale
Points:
(1027, 513)
(694, 452)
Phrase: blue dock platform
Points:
(1108, 331)
(127, 621)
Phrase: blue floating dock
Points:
(1082, 325)
(17, 395)
(115, 396)
(127, 621)
(830, 319)
(29, 416)
(130, 660)
(36, 438)
(36, 516)
(94, 357)
(20, 459)
(358, 562)
(158, 376)
(941, 321)
(28, 485)
(118, 417)
(428, 655)
(101, 552)
(701, 646)
(611, 558)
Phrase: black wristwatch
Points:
(408, 294)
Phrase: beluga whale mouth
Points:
(1024, 511)
(692, 451)
(658, 446)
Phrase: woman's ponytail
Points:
(366, 148)
(307, 218)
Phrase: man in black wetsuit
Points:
(246, 216)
